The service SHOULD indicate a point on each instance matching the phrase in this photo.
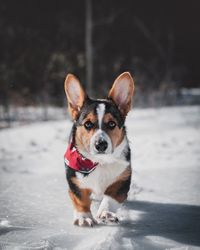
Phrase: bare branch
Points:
(108, 20)
(148, 34)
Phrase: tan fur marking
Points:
(124, 175)
(78, 93)
(113, 188)
(90, 117)
(83, 204)
(114, 93)
(117, 134)
(83, 136)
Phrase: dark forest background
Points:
(42, 41)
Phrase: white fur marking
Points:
(80, 215)
(108, 204)
(79, 175)
(82, 219)
(100, 113)
(109, 167)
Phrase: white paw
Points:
(107, 217)
(84, 219)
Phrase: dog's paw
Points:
(84, 220)
(106, 217)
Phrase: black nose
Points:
(101, 145)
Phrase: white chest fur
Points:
(108, 169)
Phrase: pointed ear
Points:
(75, 95)
(122, 91)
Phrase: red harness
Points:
(76, 161)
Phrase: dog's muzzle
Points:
(100, 143)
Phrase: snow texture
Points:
(163, 209)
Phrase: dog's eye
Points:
(88, 125)
(111, 125)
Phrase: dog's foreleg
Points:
(107, 210)
(82, 213)
(114, 195)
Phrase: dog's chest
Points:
(102, 177)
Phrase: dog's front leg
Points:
(107, 210)
(114, 195)
(82, 213)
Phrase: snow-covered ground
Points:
(163, 210)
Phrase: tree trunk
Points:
(88, 47)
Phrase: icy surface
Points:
(163, 210)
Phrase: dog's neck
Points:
(76, 161)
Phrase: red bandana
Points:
(76, 161)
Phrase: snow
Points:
(163, 209)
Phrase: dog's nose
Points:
(101, 145)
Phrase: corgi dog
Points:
(98, 157)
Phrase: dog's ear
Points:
(122, 91)
(75, 95)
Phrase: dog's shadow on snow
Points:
(172, 221)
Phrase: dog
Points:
(98, 157)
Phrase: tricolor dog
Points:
(97, 159)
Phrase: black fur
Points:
(73, 187)
(125, 186)
(128, 155)
(91, 105)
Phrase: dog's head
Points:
(99, 124)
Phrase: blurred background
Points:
(42, 41)
(158, 41)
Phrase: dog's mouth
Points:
(101, 153)
(94, 152)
